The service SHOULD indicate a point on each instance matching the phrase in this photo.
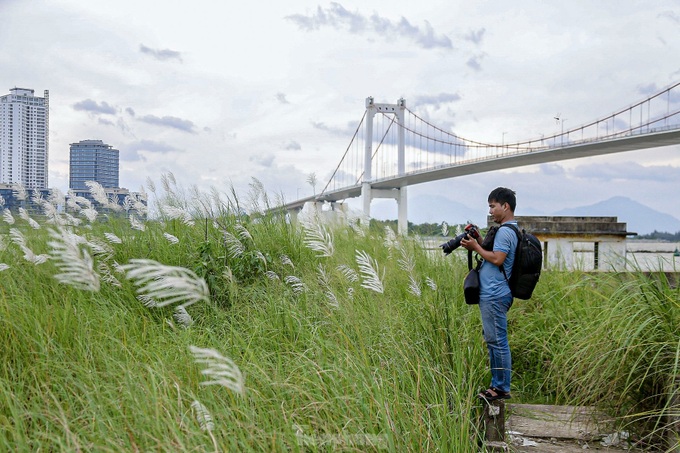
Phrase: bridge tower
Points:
(400, 193)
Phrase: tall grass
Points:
(320, 337)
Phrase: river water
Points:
(649, 255)
(641, 254)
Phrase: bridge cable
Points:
(346, 151)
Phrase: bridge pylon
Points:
(368, 193)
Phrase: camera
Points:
(471, 230)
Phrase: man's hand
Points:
(470, 244)
(494, 257)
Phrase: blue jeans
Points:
(495, 323)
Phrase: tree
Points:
(311, 180)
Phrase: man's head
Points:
(502, 204)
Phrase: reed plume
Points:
(166, 284)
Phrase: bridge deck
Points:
(506, 160)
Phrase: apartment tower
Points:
(93, 160)
(24, 138)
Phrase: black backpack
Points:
(526, 269)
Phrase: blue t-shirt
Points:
(492, 282)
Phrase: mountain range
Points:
(639, 218)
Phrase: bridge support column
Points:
(402, 207)
(366, 197)
(399, 194)
(293, 215)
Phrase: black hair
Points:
(503, 195)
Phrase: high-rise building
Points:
(93, 160)
(24, 138)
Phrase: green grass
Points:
(357, 370)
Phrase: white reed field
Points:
(209, 323)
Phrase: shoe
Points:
(493, 394)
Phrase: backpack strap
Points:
(519, 244)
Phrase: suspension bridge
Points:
(393, 148)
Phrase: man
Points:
(495, 298)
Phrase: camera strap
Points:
(479, 262)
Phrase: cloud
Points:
(282, 98)
(266, 160)
(161, 54)
(475, 62)
(339, 18)
(435, 100)
(105, 122)
(652, 89)
(150, 145)
(475, 36)
(628, 171)
(130, 151)
(672, 15)
(171, 122)
(552, 169)
(292, 145)
(130, 111)
(88, 105)
(343, 132)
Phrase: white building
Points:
(24, 138)
(584, 243)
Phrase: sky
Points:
(218, 93)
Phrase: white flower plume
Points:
(234, 245)
(90, 214)
(112, 238)
(324, 277)
(113, 203)
(29, 256)
(319, 239)
(106, 275)
(332, 300)
(220, 369)
(7, 217)
(174, 212)
(203, 416)
(171, 239)
(97, 192)
(74, 262)
(135, 223)
(406, 262)
(183, 317)
(296, 284)
(414, 286)
(390, 238)
(24, 215)
(52, 214)
(271, 275)
(369, 271)
(20, 192)
(243, 232)
(100, 248)
(349, 273)
(286, 261)
(166, 284)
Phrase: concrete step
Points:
(547, 428)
